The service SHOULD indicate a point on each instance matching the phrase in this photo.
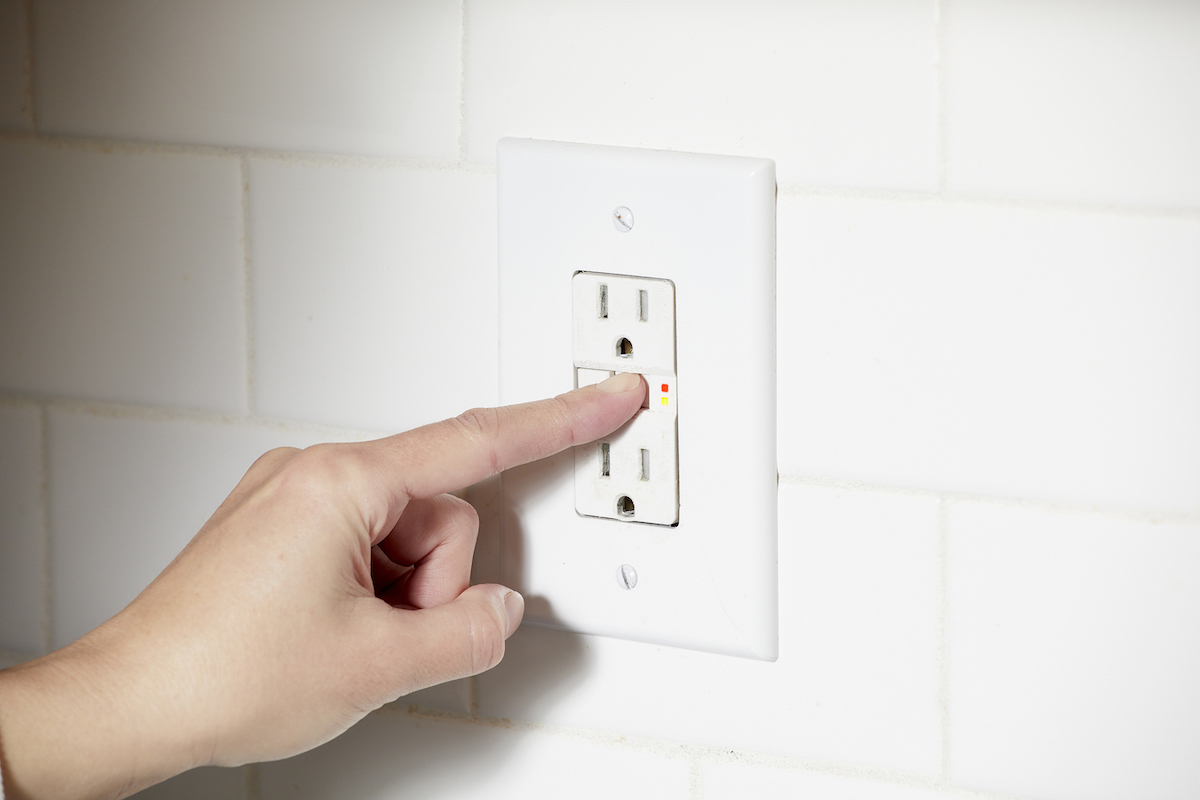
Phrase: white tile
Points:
(732, 781)
(22, 568)
(374, 293)
(391, 755)
(14, 65)
(127, 495)
(838, 93)
(1034, 354)
(123, 276)
(366, 77)
(856, 678)
(1073, 654)
(206, 783)
(1074, 99)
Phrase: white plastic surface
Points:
(707, 224)
(625, 323)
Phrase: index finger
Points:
(479, 443)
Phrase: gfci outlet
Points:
(660, 263)
(624, 323)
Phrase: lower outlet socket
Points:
(632, 475)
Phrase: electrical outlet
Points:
(624, 323)
(692, 563)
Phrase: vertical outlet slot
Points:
(645, 465)
(604, 301)
(604, 459)
(625, 506)
(624, 348)
(643, 305)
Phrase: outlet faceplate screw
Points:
(623, 220)
(627, 576)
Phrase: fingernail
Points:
(514, 607)
(621, 382)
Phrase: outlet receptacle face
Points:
(704, 228)
(626, 323)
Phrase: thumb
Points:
(454, 640)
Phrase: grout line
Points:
(113, 410)
(943, 83)
(299, 158)
(28, 67)
(110, 410)
(47, 535)
(1045, 506)
(247, 283)
(943, 690)
(18, 401)
(472, 692)
(991, 202)
(462, 82)
(785, 191)
(695, 780)
(253, 784)
(703, 754)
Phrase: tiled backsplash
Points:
(229, 226)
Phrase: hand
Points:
(332, 580)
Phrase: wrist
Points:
(82, 723)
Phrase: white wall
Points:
(228, 225)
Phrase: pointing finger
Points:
(457, 452)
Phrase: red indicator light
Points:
(666, 388)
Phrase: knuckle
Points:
(271, 460)
(278, 454)
(479, 423)
(481, 426)
(324, 465)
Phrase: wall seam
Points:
(148, 413)
(695, 780)
(472, 691)
(948, 198)
(109, 410)
(47, 543)
(28, 68)
(1046, 506)
(704, 754)
(247, 284)
(943, 108)
(785, 191)
(462, 82)
(297, 157)
(943, 635)
(253, 783)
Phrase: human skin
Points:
(331, 581)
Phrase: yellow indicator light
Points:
(664, 401)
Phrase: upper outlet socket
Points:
(623, 323)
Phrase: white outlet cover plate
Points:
(707, 223)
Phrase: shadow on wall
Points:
(541, 664)
(538, 480)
